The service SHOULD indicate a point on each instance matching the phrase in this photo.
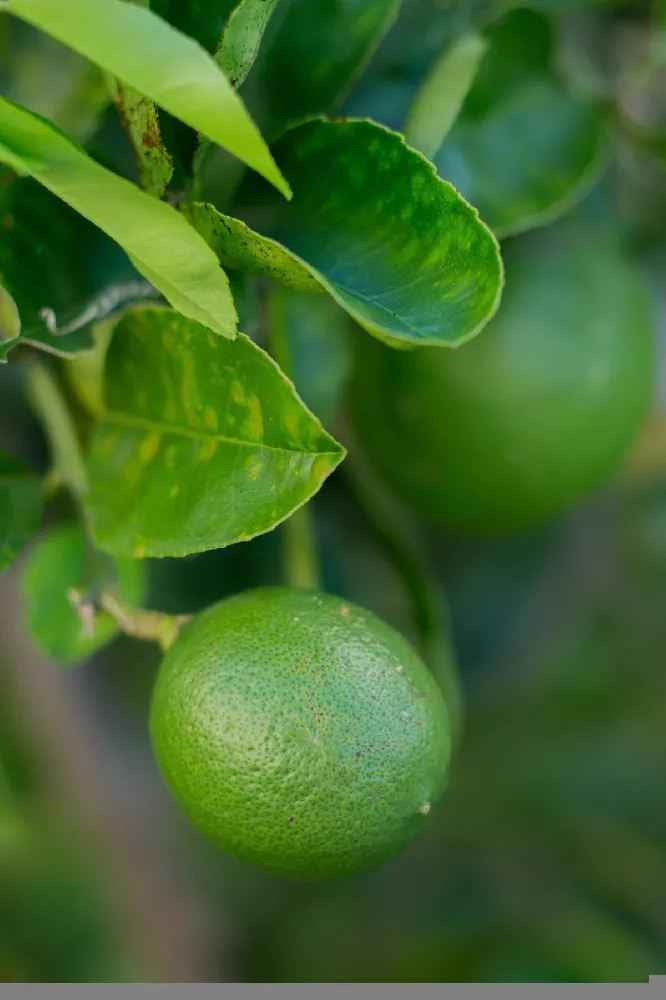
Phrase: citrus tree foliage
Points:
(247, 240)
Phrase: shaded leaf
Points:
(59, 272)
(10, 321)
(242, 37)
(135, 45)
(520, 47)
(21, 502)
(523, 150)
(374, 226)
(203, 442)
(57, 565)
(316, 347)
(439, 100)
(160, 243)
(529, 161)
(316, 52)
(200, 19)
(141, 122)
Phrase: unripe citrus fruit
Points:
(509, 429)
(300, 732)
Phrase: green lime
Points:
(300, 733)
(513, 427)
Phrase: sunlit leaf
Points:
(146, 53)
(203, 442)
(57, 565)
(160, 243)
(374, 226)
(21, 501)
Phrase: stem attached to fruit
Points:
(302, 566)
(391, 525)
(153, 626)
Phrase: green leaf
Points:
(160, 243)
(85, 372)
(316, 348)
(57, 565)
(21, 502)
(146, 53)
(10, 320)
(529, 161)
(242, 37)
(141, 122)
(59, 272)
(318, 49)
(374, 226)
(439, 100)
(523, 150)
(200, 19)
(203, 442)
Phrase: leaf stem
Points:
(302, 566)
(391, 526)
(152, 626)
(68, 465)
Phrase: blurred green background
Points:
(546, 860)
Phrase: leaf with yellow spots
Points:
(372, 225)
(202, 442)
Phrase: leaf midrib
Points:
(144, 423)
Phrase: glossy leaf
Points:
(160, 243)
(57, 565)
(439, 100)
(203, 442)
(21, 502)
(141, 122)
(372, 224)
(135, 45)
(317, 51)
(242, 37)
